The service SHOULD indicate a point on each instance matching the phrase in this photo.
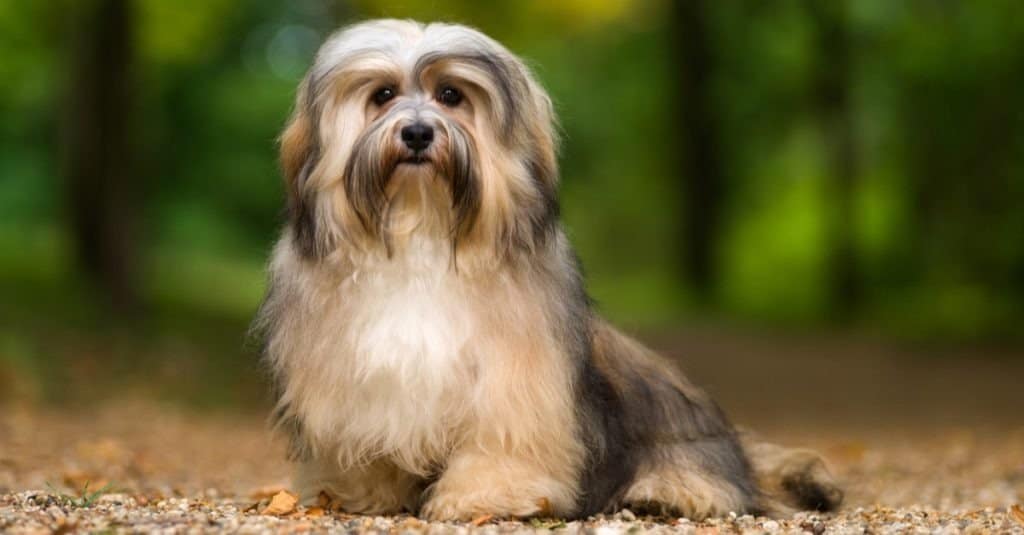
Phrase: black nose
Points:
(417, 136)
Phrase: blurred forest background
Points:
(805, 165)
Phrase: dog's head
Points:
(401, 127)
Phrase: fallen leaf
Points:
(1017, 513)
(315, 511)
(282, 503)
(545, 507)
(266, 491)
(323, 500)
(481, 520)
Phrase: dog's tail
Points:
(791, 479)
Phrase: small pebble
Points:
(945, 482)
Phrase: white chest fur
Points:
(383, 365)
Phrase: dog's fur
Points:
(432, 344)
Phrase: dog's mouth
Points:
(416, 159)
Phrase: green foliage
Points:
(938, 199)
(85, 498)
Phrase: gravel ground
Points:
(160, 469)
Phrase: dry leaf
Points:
(545, 507)
(481, 520)
(323, 500)
(282, 503)
(1017, 513)
(315, 511)
(266, 491)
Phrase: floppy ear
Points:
(296, 148)
(540, 147)
(543, 129)
(300, 152)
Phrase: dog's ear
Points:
(543, 128)
(540, 126)
(296, 149)
(531, 123)
(300, 152)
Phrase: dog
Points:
(426, 326)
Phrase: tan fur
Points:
(505, 419)
(780, 469)
(670, 485)
(373, 488)
(427, 329)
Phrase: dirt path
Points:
(928, 445)
(183, 472)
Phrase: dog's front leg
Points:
(520, 454)
(376, 488)
(481, 482)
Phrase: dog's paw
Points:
(439, 509)
(452, 507)
(812, 487)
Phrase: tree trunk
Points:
(700, 164)
(832, 98)
(97, 155)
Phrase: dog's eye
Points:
(449, 96)
(383, 95)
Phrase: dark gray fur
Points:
(631, 416)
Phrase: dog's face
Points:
(402, 127)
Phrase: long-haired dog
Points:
(427, 327)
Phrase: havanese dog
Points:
(431, 342)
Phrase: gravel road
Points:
(163, 469)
